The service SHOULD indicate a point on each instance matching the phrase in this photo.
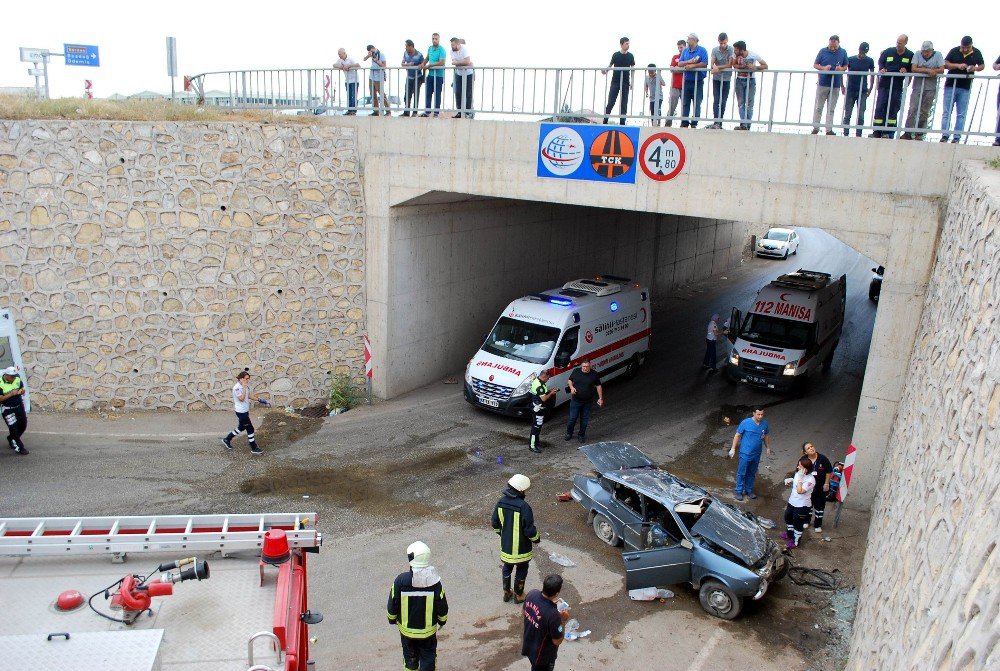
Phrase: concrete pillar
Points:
(910, 259)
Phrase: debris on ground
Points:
(565, 496)
(562, 560)
(650, 594)
(766, 523)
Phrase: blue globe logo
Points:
(562, 151)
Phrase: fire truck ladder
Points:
(27, 536)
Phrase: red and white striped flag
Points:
(845, 484)
(368, 359)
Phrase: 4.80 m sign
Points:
(662, 156)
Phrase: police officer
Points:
(418, 608)
(515, 524)
(541, 400)
(12, 408)
(897, 59)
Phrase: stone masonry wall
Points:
(930, 594)
(146, 263)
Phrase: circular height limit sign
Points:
(662, 156)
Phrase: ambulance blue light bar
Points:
(555, 300)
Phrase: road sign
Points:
(82, 54)
(171, 57)
(29, 55)
(662, 156)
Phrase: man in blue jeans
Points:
(433, 66)
(751, 435)
(961, 63)
(694, 59)
(584, 384)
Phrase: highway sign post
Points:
(171, 63)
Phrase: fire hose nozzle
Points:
(197, 572)
(180, 563)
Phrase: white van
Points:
(793, 328)
(605, 319)
(10, 353)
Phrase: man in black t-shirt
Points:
(620, 80)
(584, 384)
(961, 63)
(543, 624)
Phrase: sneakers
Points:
(228, 443)
(581, 438)
(20, 449)
(944, 138)
(256, 450)
(815, 131)
(905, 136)
(817, 530)
(425, 115)
(568, 436)
(751, 495)
(739, 496)
(830, 132)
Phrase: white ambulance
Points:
(792, 329)
(606, 320)
(10, 353)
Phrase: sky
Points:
(223, 35)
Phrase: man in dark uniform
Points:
(541, 401)
(418, 608)
(584, 384)
(514, 522)
(859, 87)
(543, 624)
(12, 403)
(891, 89)
(621, 80)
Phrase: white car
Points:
(778, 243)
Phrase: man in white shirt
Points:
(350, 68)
(241, 403)
(711, 336)
(375, 78)
(463, 78)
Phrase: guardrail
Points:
(768, 100)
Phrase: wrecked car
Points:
(675, 532)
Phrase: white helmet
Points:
(419, 555)
(520, 482)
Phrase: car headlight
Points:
(790, 368)
(734, 358)
(760, 244)
(523, 387)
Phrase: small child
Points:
(654, 91)
(835, 478)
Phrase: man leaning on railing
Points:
(745, 63)
(929, 64)
(962, 63)
(464, 78)
(894, 60)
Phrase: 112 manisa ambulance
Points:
(792, 329)
(605, 320)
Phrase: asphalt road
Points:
(429, 466)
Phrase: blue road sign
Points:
(587, 151)
(82, 54)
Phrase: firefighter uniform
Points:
(514, 522)
(890, 90)
(418, 608)
(12, 409)
(540, 402)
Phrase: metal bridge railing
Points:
(769, 100)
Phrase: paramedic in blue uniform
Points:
(752, 435)
(12, 403)
(541, 401)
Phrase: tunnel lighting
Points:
(614, 306)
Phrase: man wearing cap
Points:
(676, 82)
(12, 408)
(694, 59)
(376, 75)
(962, 63)
(859, 87)
(621, 80)
(542, 399)
(464, 78)
(894, 60)
(746, 63)
(418, 608)
(832, 58)
(930, 64)
(514, 522)
(722, 75)
(412, 60)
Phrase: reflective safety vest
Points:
(7, 387)
(418, 612)
(514, 522)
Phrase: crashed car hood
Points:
(733, 531)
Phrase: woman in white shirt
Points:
(799, 501)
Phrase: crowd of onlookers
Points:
(732, 68)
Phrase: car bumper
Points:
(516, 406)
(779, 382)
(773, 253)
(762, 591)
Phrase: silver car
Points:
(674, 532)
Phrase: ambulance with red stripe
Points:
(792, 329)
(605, 319)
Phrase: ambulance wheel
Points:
(828, 361)
(605, 530)
(632, 369)
(801, 383)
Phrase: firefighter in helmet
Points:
(418, 608)
(514, 522)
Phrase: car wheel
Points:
(828, 361)
(796, 250)
(785, 256)
(719, 600)
(800, 385)
(605, 530)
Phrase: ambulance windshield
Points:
(776, 332)
(522, 341)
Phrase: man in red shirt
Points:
(676, 82)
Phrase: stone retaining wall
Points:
(930, 593)
(147, 262)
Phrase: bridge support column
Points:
(912, 245)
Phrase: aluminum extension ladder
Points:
(27, 536)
